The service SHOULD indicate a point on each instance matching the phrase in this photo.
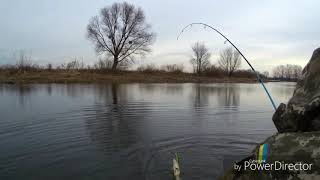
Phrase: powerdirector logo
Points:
(256, 165)
(261, 164)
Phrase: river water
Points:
(131, 131)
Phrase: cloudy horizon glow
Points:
(269, 33)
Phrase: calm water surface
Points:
(131, 131)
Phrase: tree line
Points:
(228, 62)
(120, 34)
(287, 72)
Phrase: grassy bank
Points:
(113, 77)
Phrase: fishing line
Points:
(257, 74)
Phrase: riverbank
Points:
(114, 77)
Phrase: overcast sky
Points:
(269, 32)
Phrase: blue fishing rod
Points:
(257, 74)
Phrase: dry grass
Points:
(90, 76)
(77, 72)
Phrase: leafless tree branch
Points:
(200, 59)
(229, 61)
(121, 31)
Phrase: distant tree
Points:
(24, 61)
(121, 32)
(74, 64)
(103, 64)
(279, 72)
(201, 56)
(49, 66)
(265, 74)
(173, 68)
(287, 72)
(296, 72)
(229, 60)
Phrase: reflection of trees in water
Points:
(111, 93)
(283, 91)
(173, 89)
(114, 92)
(225, 94)
(112, 122)
(75, 90)
(22, 91)
(201, 94)
(229, 95)
(248, 88)
(49, 89)
(165, 88)
(114, 125)
(2, 89)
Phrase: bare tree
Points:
(296, 72)
(200, 59)
(279, 72)
(49, 67)
(24, 61)
(265, 74)
(173, 68)
(229, 60)
(121, 32)
(287, 72)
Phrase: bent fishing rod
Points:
(257, 74)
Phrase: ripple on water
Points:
(130, 131)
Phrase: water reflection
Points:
(284, 90)
(107, 120)
(130, 131)
(22, 92)
(229, 95)
(113, 126)
(226, 95)
(201, 94)
(49, 89)
(172, 89)
(114, 90)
